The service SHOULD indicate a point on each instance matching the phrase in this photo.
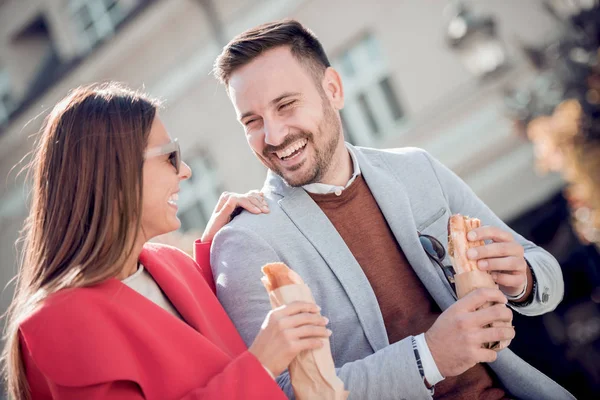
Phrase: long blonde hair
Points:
(86, 194)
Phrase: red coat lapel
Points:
(179, 278)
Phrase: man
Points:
(348, 220)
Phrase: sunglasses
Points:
(436, 252)
(171, 148)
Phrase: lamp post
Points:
(475, 40)
(559, 111)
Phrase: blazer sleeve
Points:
(243, 378)
(237, 257)
(202, 257)
(461, 199)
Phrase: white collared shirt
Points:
(324, 188)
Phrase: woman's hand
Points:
(287, 331)
(252, 201)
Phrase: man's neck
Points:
(341, 168)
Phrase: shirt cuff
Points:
(432, 374)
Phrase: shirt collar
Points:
(323, 188)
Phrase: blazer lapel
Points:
(194, 300)
(316, 227)
(391, 196)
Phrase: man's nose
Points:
(275, 132)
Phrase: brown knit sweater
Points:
(407, 308)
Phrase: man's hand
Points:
(503, 258)
(456, 338)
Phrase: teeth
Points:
(173, 199)
(291, 149)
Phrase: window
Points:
(6, 101)
(372, 109)
(199, 194)
(96, 19)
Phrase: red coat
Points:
(108, 341)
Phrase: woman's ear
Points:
(332, 85)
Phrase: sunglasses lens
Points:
(175, 158)
(436, 251)
(433, 247)
(427, 246)
(439, 249)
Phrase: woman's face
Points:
(161, 186)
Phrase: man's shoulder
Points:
(265, 224)
(394, 153)
(400, 159)
(261, 225)
(260, 222)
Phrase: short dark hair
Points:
(250, 44)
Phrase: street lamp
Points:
(475, 40)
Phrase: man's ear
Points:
(332, 85)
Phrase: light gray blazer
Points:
(414, 192)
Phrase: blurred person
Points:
(366, 228)
(99, 312)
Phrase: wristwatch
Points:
(531, 295)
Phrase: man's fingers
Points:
(509, 280)
(495, 250)
(479, 297)
(496, 334)
(497, 312)
(504, 264)
(486, 355)
(490, 233)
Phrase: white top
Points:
(143, 283)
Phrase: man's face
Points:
(290, 120)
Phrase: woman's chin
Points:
(172, 225)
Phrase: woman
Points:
(101, 313)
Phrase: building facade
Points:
(404, 87)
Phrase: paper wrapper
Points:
(469, 277)
(469, 281)
(312, 372)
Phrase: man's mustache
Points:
(286, 142)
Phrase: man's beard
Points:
(330, 125)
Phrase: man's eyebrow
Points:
(271, 103)
(283, 96)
